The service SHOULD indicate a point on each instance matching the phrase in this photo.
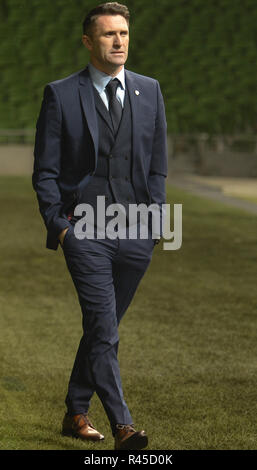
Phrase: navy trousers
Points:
(106, 274)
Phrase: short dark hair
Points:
(110, 8)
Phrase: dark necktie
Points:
(115, 108)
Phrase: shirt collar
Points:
(101, 79)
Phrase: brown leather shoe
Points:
(80, 426)
(127, 438)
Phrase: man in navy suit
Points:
(101, 132)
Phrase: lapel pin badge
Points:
(137, 92)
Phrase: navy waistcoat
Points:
(113, 175)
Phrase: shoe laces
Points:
(126, 427)
(86, 420)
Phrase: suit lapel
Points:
(138, 166)
(101, 108)
(135, 108)
(88, 105)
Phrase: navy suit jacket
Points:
(66, 145)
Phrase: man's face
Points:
(108, 44)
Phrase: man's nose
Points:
(117, 40)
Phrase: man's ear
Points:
(87, 41)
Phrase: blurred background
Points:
(195, 311)
(204, 53)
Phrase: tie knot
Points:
(112, 87)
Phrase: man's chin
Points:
(119, 59)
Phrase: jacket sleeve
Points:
(159, 160)
(47, 163)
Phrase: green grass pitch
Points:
(187, 342)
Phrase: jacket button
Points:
(110, 156)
